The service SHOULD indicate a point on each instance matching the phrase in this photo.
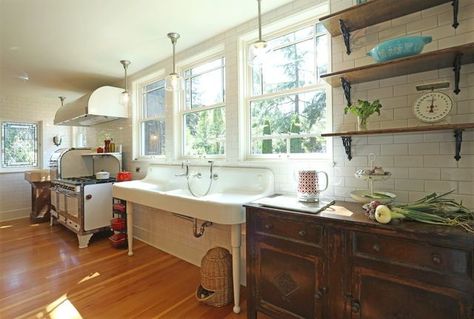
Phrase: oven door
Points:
(97, 206)
(73, 204)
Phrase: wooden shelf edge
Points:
(413, 129)
(362, 15)
(329, 77)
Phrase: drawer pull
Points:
(268, 226)
(436, 259)
(302, 233)
(321, 292)
(376, 247)
(355, 306)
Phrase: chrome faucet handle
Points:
(212, 176)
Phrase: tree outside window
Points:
(204, 113)
(287, 107)
(19, 144)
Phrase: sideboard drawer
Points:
(412, 254)
(301, 230)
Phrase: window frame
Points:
(319, 84)
(183, 110)
(139, 116)
(38, 146)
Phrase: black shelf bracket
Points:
(346, 34)
(347, 142)
(455, 5)
(346, 87)
(458, 137)
(457, 72)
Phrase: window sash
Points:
(315, 36)
(189, 76)
(318, 85)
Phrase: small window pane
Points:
(297, 114)
(296, 60)
(153, 137)
(288, 67)
(204, 85)
(155, 103)
(205, 132)
(207, 89)
(19, 144)
(154, 100)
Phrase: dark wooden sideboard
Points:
(340, 265)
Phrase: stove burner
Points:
(84, 180)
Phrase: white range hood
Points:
(99, 106)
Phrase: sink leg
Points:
(130, 227)
(235, 243)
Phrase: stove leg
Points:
(130, 227)
(235, 243)
(84, 240)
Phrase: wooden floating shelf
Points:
(373, 12)
(457, 128)
(413, 129)
(418, 63)
(451, 57)
(376, 11)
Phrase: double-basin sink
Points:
(166, 187)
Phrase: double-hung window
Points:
(20, 145)
(287, 108)
(152, 119)
(203, 114)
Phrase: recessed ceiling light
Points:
(14, 48)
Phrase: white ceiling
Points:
(68, 47)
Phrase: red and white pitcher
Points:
(309, 185)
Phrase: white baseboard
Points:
(14, 214)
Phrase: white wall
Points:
(15, 194)
(420, 163)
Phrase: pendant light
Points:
(173, 80)
(259, 49)
(125, 94)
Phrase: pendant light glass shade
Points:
(125, 98)
(258, 50)
(174, 81)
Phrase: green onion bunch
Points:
(432, 209)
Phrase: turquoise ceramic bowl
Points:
(399, 48)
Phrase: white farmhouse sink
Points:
(231, 188)
(162, 189)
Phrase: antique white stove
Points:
(83, 204)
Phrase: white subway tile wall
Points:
(15, 193)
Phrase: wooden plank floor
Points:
(43, 274)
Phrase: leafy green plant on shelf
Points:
(363, 109)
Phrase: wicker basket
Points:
(216, 278)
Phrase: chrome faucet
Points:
(185, 166)
(211, 171)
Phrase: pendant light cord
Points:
(173, 41)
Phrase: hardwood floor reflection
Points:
(43, 274)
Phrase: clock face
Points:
(432, 107)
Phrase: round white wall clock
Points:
(432, 107)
